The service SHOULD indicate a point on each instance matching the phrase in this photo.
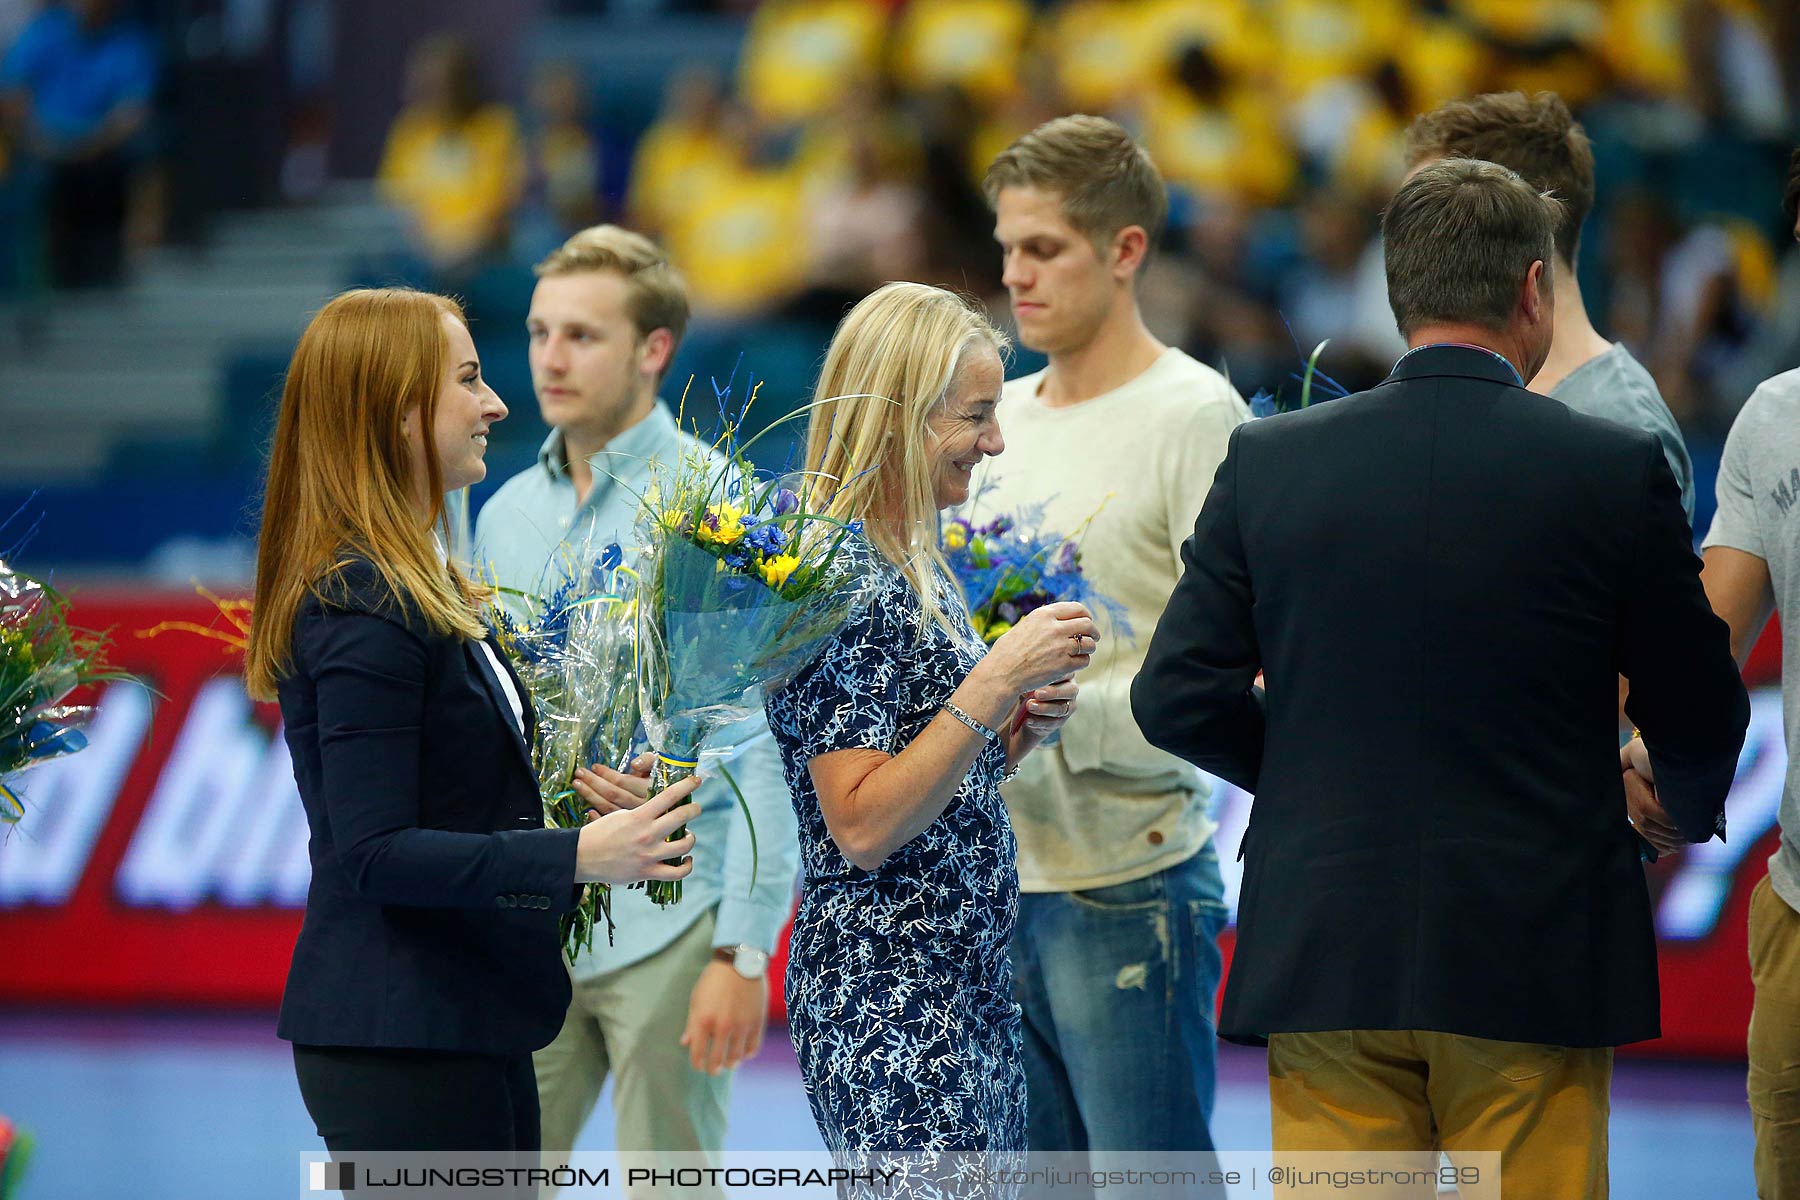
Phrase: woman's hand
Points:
(1047, 645)
(607, 790)
(628, 843)
(1040, 713)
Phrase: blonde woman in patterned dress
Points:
(894, 743)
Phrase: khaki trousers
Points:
(1543, 1108)
(628, 1024)
(1774, 1043)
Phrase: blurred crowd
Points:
(849, 148)
(77, 82)
(846, 145)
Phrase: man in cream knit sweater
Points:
(1115, 952)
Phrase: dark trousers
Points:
(88, 201)
(418, 1100)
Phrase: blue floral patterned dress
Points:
(899, 989)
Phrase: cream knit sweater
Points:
(1102, 806)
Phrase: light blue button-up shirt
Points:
(518, 533)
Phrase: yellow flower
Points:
(955, 536)
(723, 524)
(992, 632)
(775, 571)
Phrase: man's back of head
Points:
(1534, 136)
(1468, 246)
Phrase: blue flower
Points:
(738, 558)
(44, 740)
(786, 502)
(766, 538)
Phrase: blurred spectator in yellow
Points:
(1214, 137)
(801, 57)
(740, 238)
(563, 184)
(1440, 59)
(1642, 42)
(1036, 98)
(1108, 53)
(1327, 47)
(1322, 41)
(1541, 45)
(1099, 53)
(1370, 161)
(454, 164)
(681, 155)
(1233, 32)
(974, 45)
(75, 93)
(866, 228)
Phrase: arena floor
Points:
(185, 1107)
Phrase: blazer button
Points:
(543, 902)
(1156, 837)
(503, 901)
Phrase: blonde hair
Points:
(656, 296)
(1105, 179)
(340, 478)
(892, 360)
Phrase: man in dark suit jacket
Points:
(1444, 928)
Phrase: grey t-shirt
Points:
(1616, 387)
(1759, 513)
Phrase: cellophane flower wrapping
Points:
(574, 653)
(42, 660)
(1009, 565)
(740, 586)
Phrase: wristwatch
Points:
(748, 961)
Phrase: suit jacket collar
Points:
(1455, 358)
(476, 661)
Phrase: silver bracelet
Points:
(971, 722)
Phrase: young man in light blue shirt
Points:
(679, 998)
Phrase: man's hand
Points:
(1635, 756)
(726, 1016)
(1648, 816)
(1039, 714)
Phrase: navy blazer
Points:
(1443, 578)
(431, 921)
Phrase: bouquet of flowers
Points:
(575, 656)
(1011, 566)
(740, 585)
(42, 660)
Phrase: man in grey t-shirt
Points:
(1614, 385)
(1752, 556)
(1538, 138)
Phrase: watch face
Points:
(750, 962)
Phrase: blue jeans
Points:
(1118, 986)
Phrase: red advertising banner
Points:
(167, 863)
